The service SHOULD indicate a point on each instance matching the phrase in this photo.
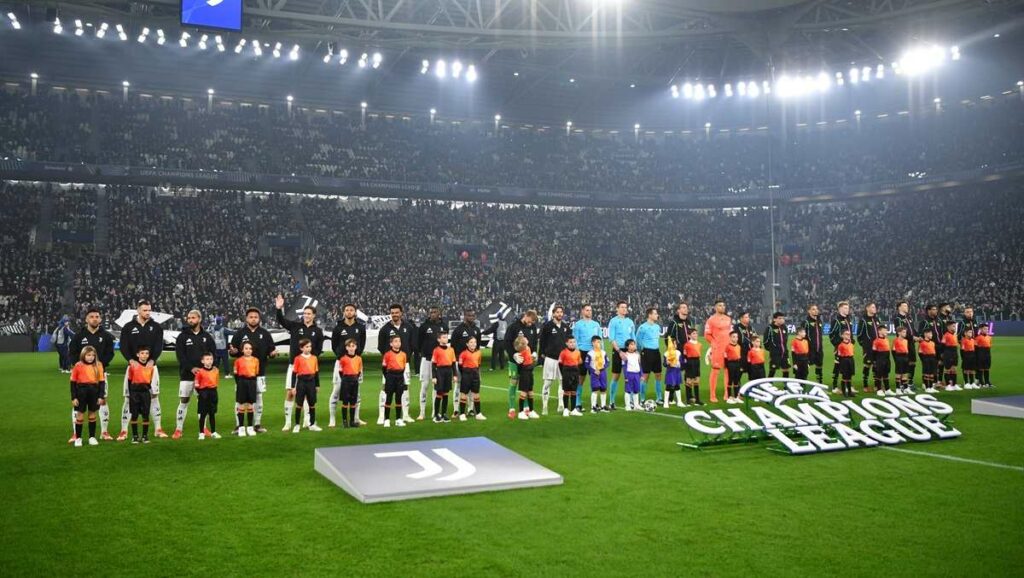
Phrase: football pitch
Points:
(633, 503)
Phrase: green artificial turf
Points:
(633, 503)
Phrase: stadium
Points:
(586, 287)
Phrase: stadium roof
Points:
(544, 60)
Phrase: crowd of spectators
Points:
(30, 279)
(154, 132)
(923, 248)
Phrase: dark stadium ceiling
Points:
(604, 45)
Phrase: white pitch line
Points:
(955, 459)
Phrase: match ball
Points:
(650, 405)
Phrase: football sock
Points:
(312, 415)
(289, 406)
(135, 428)
(240, 416)
(104, 416)
(78, 429)
(614, 390)
(257, 409)
(145, 428)
(476, 405)
(657, 387)
(155, 413)
(179, 420)
(92, 427)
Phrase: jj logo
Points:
(306, 301)
(430, 468)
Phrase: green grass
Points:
(632, 503)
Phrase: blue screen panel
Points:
(223, 14)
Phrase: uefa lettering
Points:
(797, 417)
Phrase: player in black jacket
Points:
(814, 328)
(867, 331)
(306, 328)
(92, 334)
(263, 349)
(776, 343)
(903, 319)
(190, 347)
(525, 326)
(553, 335)
(426, 341)
(841, 323)
(746, 332)
(406, 332)
(348, 327)
(143, 330)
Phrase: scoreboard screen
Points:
(219, 14)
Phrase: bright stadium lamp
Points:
(102, 30)
(471, 74)
(424, 66)
(441, 69)
(209, 91)
(125, 83)
(277, 50)
(728, 90)
(741, 88)
(289, 98)
(568, 124)
(362, 105)
(456, 69)
(752, 90)
(712, 93)
(34, 76)
(160, 39)
(343, 56)
(78, 27)
(57, 28)
(143, 35)
(687, 90)
(497, 117)
(636, 126)
(674, 90)
(294, 54)
(433, 111)
(698, 92)
(121, 33)
(377, 59)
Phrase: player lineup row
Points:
(567, 363)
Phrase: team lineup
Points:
(569, 354)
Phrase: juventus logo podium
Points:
(409, 470)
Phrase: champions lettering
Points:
(803, 420)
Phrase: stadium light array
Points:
(57, 28)
(143, 35)
(240, 46)
(125, 83)
(471, 74)
(424, 66)
(209, 91)
(363, 58)
(257, 49)
(14, 20)
(294, 54)
(441, 69)
(102, 30)
(79, 30)
(121, 33)
(160, 39)
(290, 98)
(363, 105)
(913, 62)
(34, 76)
(342, 56)
(456, 69)
(183, 41)
(277, 50)
(497, 118)
(377, 59)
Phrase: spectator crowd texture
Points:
(68, 248)
(154, 132)
(221, 252)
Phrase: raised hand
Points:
(279, 301)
